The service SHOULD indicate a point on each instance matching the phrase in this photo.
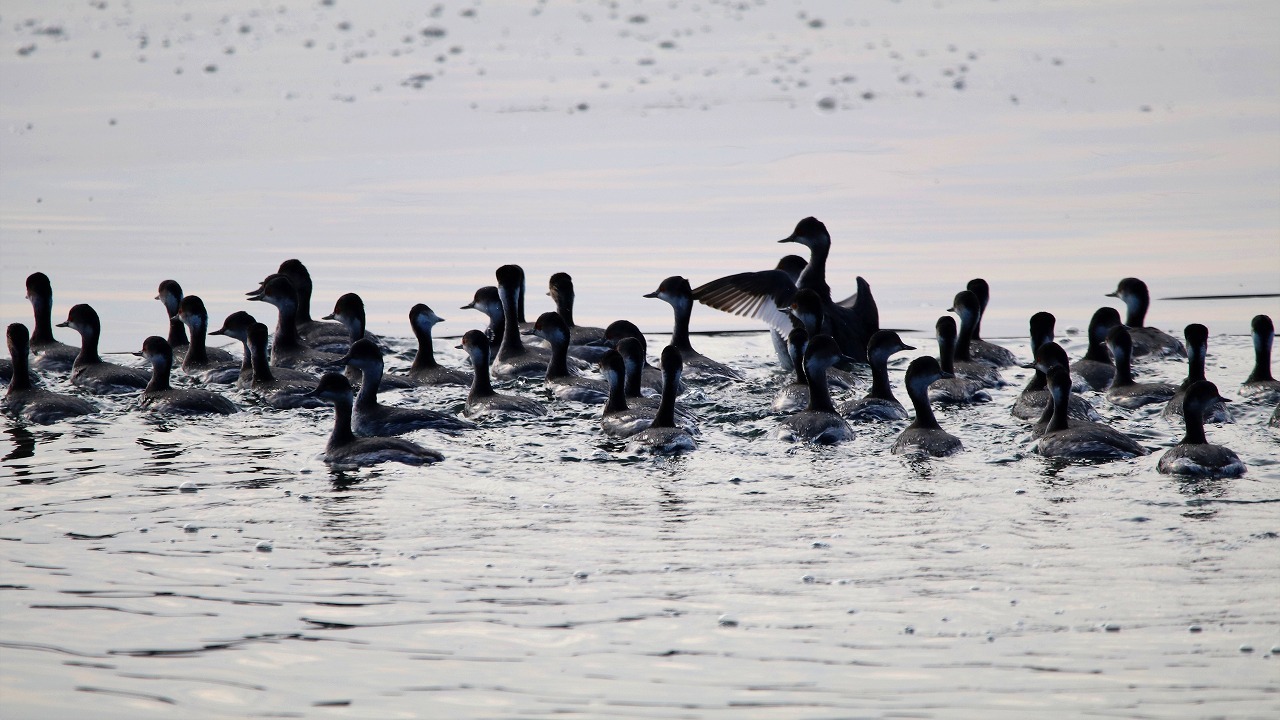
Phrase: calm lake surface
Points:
(403, 151)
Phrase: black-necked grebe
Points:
(211, 365)
(1080, 439)
(562, 383)
(560, 288)
(675, 291)
(287, 348)
(349, 310)
(374, 418)
(35, 404)
(879, 404)
(1096, 368)
(949, 387)
(170, 295)
(759, 294)
(425, 369)
(488, 301)
(793, 396)
(1147, 341)
(1194, 455)
(620, 418)
(981, 349)
(966, 306)
(236, 326)
(664, 436)
(1123, 391)
(1260, 385)
(650, 376)
(161, 397)
(281, 388)
(514, 358)
(47, 353)
(924, 436)
(345, 449)
(818, 422)
(314, 333)
(90, 371)
(483, 401)
(1197, 337)
(1050, 355)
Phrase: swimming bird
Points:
(620, 418)
(425, 370)
(287, 348)
(487, 301)
(514, 358)
(1194, 455)
(483, 401)
(374, 418)
(562, 383)
(345, 449)
(314, 333)
(1197, 337)
(170, 295)
(818, 422)
(560, 288)
(632, 350)
(1096, 368)
(47, 353)
(211, 365)
(349, 311)
(1080, 439)
(281, 388)
(650, 376)
(966, 306)
(90, 371)
(34, 404)
(1147, 341)
(161, 397)
(806, 312)
(236, 326)
(950, 388)
(980, 349)
(664, 436)
(794, 395)
(1260, 385)
(924, 436)
(761, 294)
(675, 291)
(879, 403)
(1051, 355)
(1123, 391)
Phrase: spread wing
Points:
(751, 294)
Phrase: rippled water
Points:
(1052, 148)
(541, 571)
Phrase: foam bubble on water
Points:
(581, 575)
(1195, 629)
(727, 620)
(190, 527)
(188, 487)
(1111, 627)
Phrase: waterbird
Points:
(236, 326)
(281, 388)
(170, 296)
(349, 311)
(1096, 368)
(1147, 341)
(25, 400)
(950, 388)
(287, 348)
(514, 358)
(1194, 455)
(879, 403)
(211, 365)
(425, 370)
(981, 349)
(560, 288)
(483, 401)
(1050, 355)
(1197, 337)
(966, 306)
(761, 294)
(676, 292)
(47, 352)
(1124, 391)
(160, 396)
(345, 449)
(1260, 385)
(1079, 439)
(664, 436)
(818, 422)
(90, 371)
(559, 380)
(372, 417)
(924, 436)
